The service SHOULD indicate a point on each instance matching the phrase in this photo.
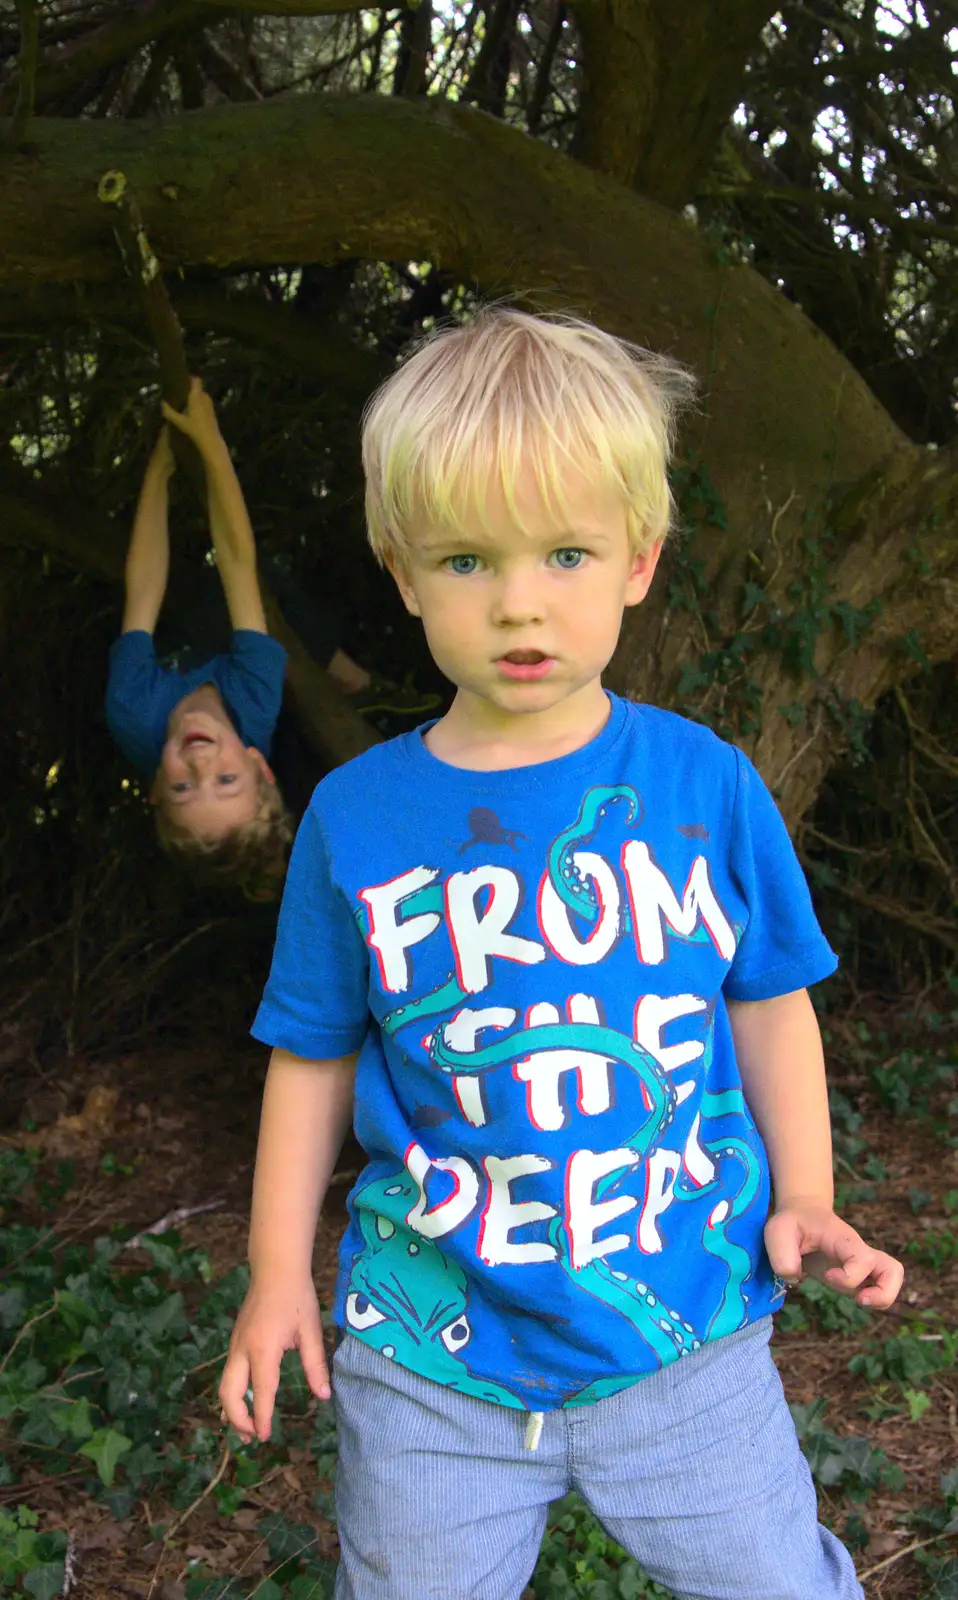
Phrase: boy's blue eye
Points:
(179, 788)
(463, 565)
(226, 777)
(569, 557)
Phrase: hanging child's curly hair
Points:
(251, 856)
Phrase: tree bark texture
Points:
(659, 82)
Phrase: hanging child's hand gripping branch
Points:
(230, 526)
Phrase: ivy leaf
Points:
(946, 1583)
(753, 593)
(105, 1449)
(75, 1420)
(44, 1582)
(287, 1541)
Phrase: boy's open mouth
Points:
(192, 740)
(525, 665)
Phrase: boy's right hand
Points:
(272, 1320)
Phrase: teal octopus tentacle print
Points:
(449, 994)
(665, 1332)
(731, 1311)
(567, 880)
(657, 1092)
(408, 1300)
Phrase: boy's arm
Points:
(779, 1052)
(148, 557)
(307, 1110)
(230, 527)
(233, 541)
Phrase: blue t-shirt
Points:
(140, 694)
(565, 1189)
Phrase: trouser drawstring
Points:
(534, 1430)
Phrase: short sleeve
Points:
(139, 698)
(250, 679)
(782, 948)
(316, 1002)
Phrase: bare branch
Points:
(838, 203)
(96, 51)
(288, 8)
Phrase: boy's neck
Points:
(483, 738)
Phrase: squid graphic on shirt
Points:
(418, 1317)
(385, 1298)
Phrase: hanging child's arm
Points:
(230, 527)
(307, 1110)
(779, 1050)
(148, 557)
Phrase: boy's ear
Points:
(262, 763)
(394, 566)
(644, 563)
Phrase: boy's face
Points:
(522, 618)
(208, 780)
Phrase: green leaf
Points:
(918, 1403)
(44, 1582)
(946, 1583)
(75, 1420)
(287, 1541)
(105, 1449)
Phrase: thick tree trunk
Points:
(787, 430)
(836, 613)
(659, 83)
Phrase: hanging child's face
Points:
(208, 781)
(524, 616)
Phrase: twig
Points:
(140, 260)
(170, 1220)
(40, 1317)
(185, 1516)
(69, 1567)
(919, 1544)
(777, 782)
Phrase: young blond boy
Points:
(203, 736)
(551, 953)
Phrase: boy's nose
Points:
(198, 757)
(518, 601)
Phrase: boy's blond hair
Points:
(506, 392)
(250, 853)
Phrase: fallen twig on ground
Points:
(170, 1220)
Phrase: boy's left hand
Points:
(198, 421)
(806, 1236)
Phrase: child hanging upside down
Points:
(202, 736)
